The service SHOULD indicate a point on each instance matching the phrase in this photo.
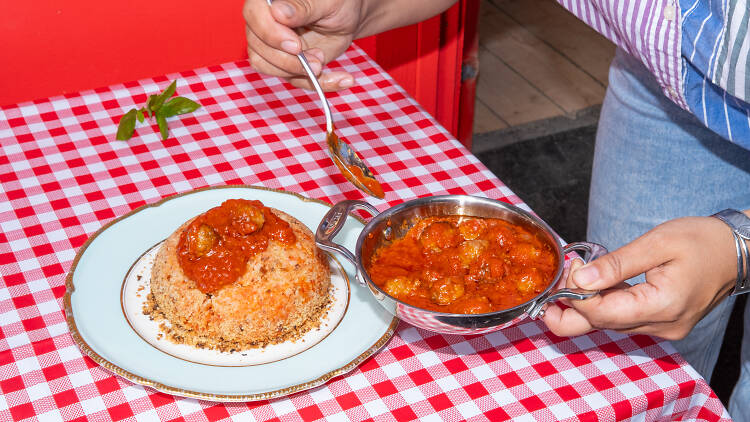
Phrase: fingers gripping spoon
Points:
(345, 158)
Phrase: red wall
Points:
(55, 47)
(52, 47)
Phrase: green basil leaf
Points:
(156, 104)
(126, 126)
(162, 121)
(150, 104)
(161, 106)
(170, 90)
(179, 105)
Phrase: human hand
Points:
(327, 29)
(690, 266)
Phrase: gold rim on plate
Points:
(78, 338)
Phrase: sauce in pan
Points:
(464, 265)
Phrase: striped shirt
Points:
(697, 49)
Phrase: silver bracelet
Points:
(745, 286)
(740, 225)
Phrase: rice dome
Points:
(237, 276)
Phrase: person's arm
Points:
(700, 60)
(327, 28)
(690, 266)
(381, 16)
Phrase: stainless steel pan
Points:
(396, 221)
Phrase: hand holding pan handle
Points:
(591, 251)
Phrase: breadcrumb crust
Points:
(284, 293)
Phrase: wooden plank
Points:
(485, 120)
(564, 32)
(508, 95)
(566, 85)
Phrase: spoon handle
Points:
(318, 89)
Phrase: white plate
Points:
(97, 321)
(134, 297)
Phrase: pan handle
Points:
(332, 223)
(591, 251)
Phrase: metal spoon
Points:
(345, 158)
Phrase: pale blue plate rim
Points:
(236, 396)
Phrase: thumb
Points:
(631, 260)
(296, 13)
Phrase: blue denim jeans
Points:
(654, 162)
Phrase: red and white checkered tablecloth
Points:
(63, 176)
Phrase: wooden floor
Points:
(536, 61)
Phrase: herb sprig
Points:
(161, 106)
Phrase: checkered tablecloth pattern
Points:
(63, 176)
